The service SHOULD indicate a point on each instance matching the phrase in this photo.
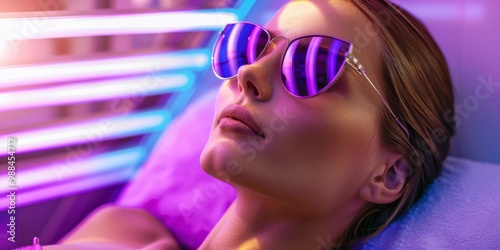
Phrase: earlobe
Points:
(386, 183)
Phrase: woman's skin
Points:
(314, 163)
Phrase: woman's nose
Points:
(258, 80)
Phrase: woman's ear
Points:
(386, 183)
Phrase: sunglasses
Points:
(309, 66)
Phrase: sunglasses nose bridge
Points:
(257, 79)
(271, 46)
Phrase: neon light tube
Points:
(46, 26)
(89, 131)
(106, 67)
(63, 170)
(96, 90)
(86, 184)
(48, 183)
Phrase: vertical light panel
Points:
(92, 80)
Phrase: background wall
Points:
(87, 100)
(466, 32)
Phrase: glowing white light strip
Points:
(60, 171)
(57, 180)
(96, 90)
(45, 26)
(3, 45)
(88, 132)
(106, 67)
(87, 184)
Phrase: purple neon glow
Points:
(93, 91)
(253, 43)
(84, 132)
(312, 53)
(120, 24)
(232, 47)
(99, 68)
(287, 68)
(331, 63)
(216, 66)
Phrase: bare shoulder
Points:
(133, 227)
(118, 215)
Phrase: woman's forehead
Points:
(300, 18)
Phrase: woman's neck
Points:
(256, 222)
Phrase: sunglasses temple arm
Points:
(359, 68)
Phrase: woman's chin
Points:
(219, 158)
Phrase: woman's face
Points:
(315, 153)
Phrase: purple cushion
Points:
(458, 211)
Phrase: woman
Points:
(342, 166)
(333, 119)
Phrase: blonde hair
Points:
(418, 87)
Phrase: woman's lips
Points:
(237, 118)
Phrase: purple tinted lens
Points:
(238, 44)
(311, 64)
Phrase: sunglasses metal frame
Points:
(349, 60)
